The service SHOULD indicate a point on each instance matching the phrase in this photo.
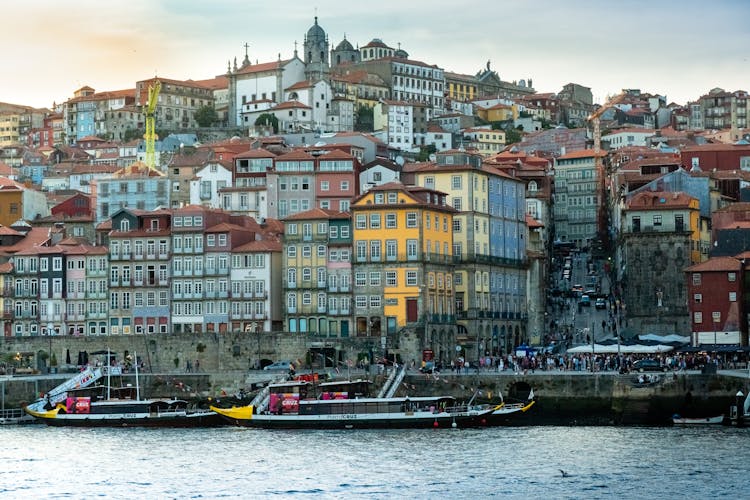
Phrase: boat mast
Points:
(137, 385)
(108, 366)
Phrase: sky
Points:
(677, 48)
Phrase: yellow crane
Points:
(594, 118)
(601, 182)
(150, 135)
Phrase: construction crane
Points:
(599, 167)
(150, 135)
(594, 118)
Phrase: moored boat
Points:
(81, 402)
(715, 420)
(346, 405)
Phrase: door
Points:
(412, 312)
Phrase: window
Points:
(344, 185)
(411, 219)
(361, 222)
(390, 221)
(391, 278)
(374, 300)
(292, 228)
(375, 278)
(324, 185)
(360, 279)
(732, 277)
(375, 221)
(411, 278)
(411, 249)
(291, 251)
(732, 296)
(456, 182)
(360, 301)
(374, 250)
(456, 225)
(657, 220)
(696, 278)
(391, 249)
(697, 317)
(698, 298)
(333, 232)
(457, 203)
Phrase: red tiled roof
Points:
(267, 245)
(716, 264)
(304, 84)
(259, 68)
(532, 222)
(255, 153)
(659, 200)
(582, 153)
(318, 213)
(291, 105)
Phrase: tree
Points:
(268, 119)
(364, 120)
(513, 136)
(206, 116)
(425, 152)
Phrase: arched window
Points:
(533, 186)
(124, 225)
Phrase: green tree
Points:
(268, 119)
(206, 116)
(513, 136)
(364, 120)
(425, 152)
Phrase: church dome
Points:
(401, 53)
(344, 45)
(315, 31)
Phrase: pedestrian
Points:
(197, 365)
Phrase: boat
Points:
(508, 413)
(82, 402)
(716, 420)
(739, 413)
(346, 405)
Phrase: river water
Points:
(510, 462)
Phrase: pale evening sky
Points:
(677, 48)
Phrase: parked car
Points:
(600, 303)
(648, 365)
(585, 300)
(278, 366)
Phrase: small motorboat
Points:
(678, 420)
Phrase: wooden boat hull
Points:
(57, 417)
(407, 420)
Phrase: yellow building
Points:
(11, 202)
(497, 113)
(486, 141)
(9, 133)
(461, 87)
(403, 265)
(489, 248)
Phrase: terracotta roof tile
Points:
(716, 264)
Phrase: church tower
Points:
(344, 53)
(316, 52)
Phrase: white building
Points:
(209, 179)
(627, 137)
(261, 83)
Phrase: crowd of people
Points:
(587, 362)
